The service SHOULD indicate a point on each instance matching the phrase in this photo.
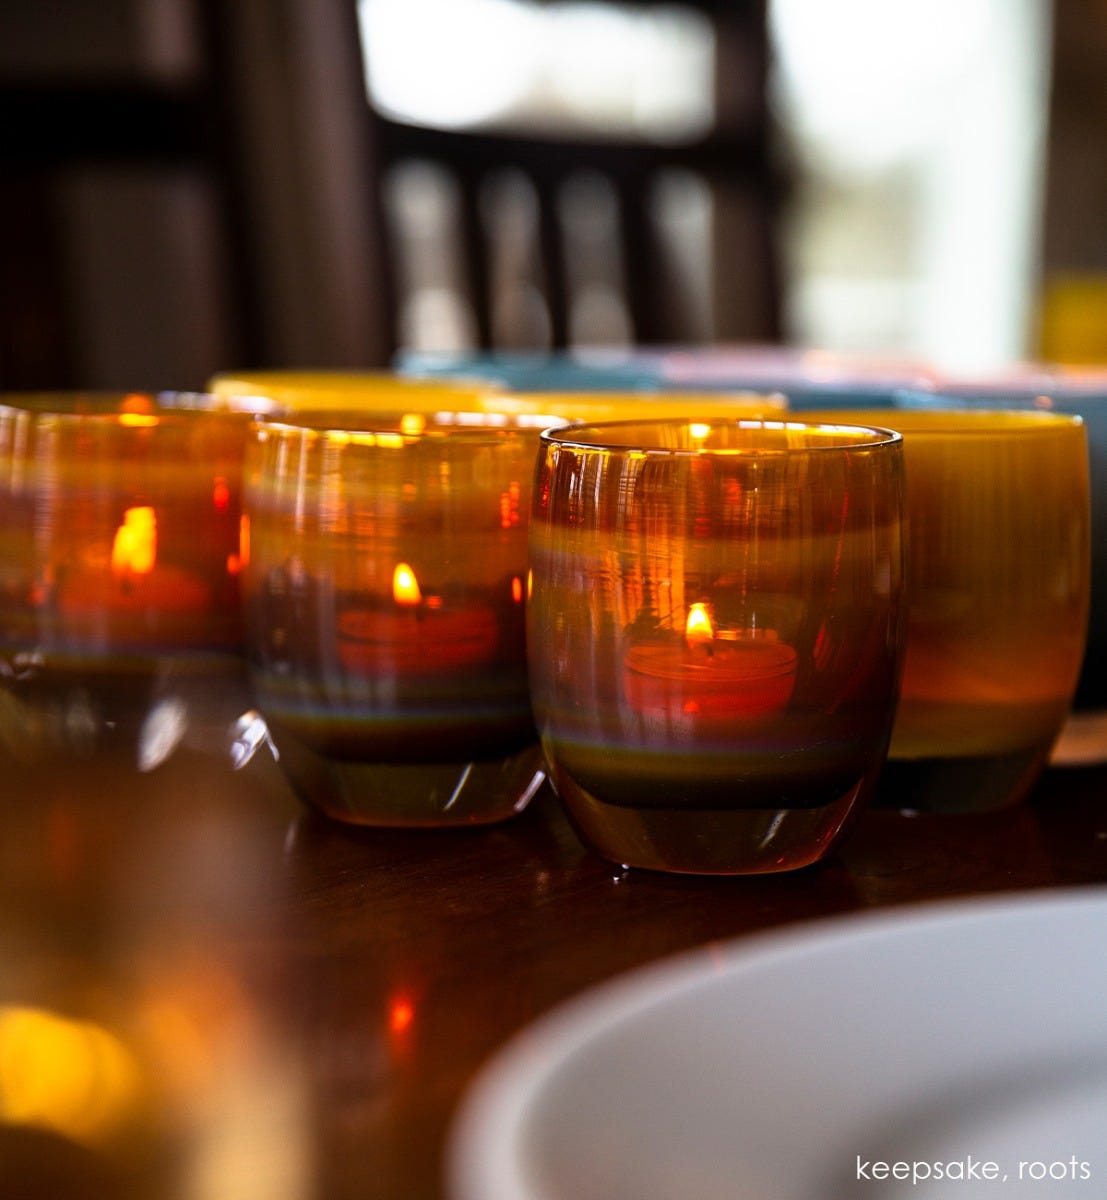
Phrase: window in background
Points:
(917, 132)
(560, 68)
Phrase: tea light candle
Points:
(129, 593)
(414, 636)
(710, 675)
(122, 515)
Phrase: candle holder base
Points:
(710, 841)
(964, 784)
(67, 708)
(411, 795)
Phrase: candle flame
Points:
(698, 628)
(405, 587)
(137, 411)
(135, 546)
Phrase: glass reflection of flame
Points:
(698, 630)
(135, 546)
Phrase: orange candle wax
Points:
(414, 636)
(709, 674)
(416, 641)
(131, 596)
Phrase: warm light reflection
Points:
(699, 431)
(413, 424)
(134, 548)
(220, 494)
(401, 1013)
(509, 505)
(137, 411)
(347, 437)
(516, 589)
(70, 1076)
(243, 541)
(405, 587)
(224, 1082)
(698, 628)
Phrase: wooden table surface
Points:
(305, 1003)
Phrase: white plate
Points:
(784, 1066)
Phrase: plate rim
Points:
(481, 1154)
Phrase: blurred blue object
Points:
(527, 371)
(810, 379)
(810, 397)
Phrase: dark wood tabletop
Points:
(304, 1004)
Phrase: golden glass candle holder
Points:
(296, 391)
(385, 592)
(119, 571)
(714, 635)
(293, 391)
(998, 594)
(594, 407)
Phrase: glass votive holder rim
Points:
(938, 420)
(107, 406)
(392, 427)
(621, 436)
(297, 391)
(751, 402)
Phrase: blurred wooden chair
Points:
(241, 203)
(563, 239)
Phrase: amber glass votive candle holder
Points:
(363, 392)
(119, 569)
(998, 517)
(385, 595)
(292, 391)
(594, 407)
(714, 634)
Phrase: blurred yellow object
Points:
(70, 1076)
(594, 407)
(354, 391)
(378, 391)
(1073, 320)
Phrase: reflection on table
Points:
(207, 991)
